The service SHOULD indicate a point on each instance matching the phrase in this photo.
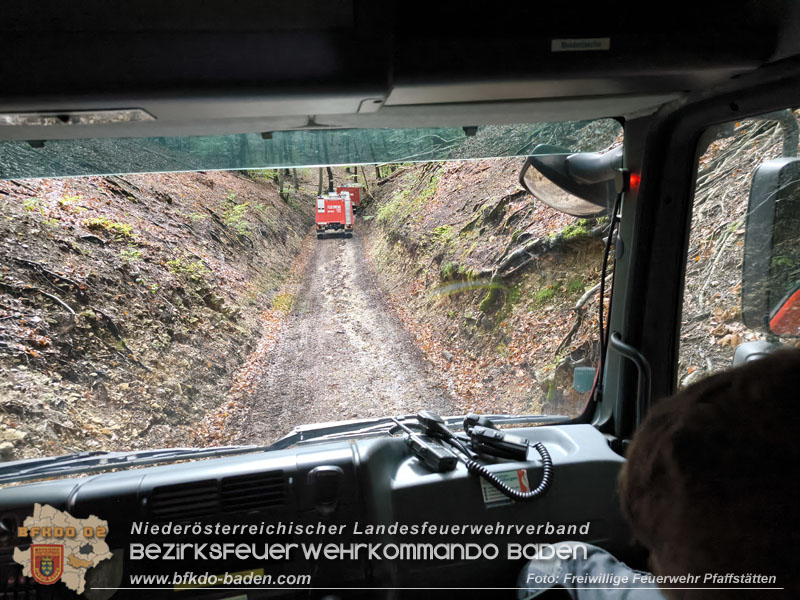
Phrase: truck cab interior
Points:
(89, 73)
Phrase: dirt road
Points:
(342, 354)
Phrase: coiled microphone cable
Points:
(491, 436)
(547, 477)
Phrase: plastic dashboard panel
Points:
(376, 481)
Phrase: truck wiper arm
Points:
(381, 425)
(95, 461)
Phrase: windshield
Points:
(205, 308)
(57, 158)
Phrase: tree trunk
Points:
(295, 181)
(330, 180)
(366, 184)
(280, 183)
(319, 186)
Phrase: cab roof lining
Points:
(258, 65)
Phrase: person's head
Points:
(710, 485)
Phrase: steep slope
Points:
(488, 281)
(127, 304)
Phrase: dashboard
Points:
(366, 492)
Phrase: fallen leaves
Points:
(215, 427)
(57, 369)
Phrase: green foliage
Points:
(104, 224)
(545, 294)
(492, 297)
(552, 392)
(261, 209)
(427, 192)
(184, 265)
(442, 235)
(31, 204)
(283, 302)
(500, 298)
(513, 295)
(573, 230)
(195, 217)
(782, 261)
(88, 314)
(69, 202)
(390, 212)
(130, 254)
(405, 205)
(263, 174)
(447, 270)
(575, 285)
(233, 215)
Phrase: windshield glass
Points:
(228, 307)
(58, 158)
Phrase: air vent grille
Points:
(198, 499)
(185, 500)
(253, 492)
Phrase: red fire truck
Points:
(354, 189)
(334, 213)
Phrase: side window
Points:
(743, 271)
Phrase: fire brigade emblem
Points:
(48, 562)
(62, 548)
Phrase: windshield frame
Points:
(649, 281)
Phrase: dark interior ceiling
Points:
(231, 67)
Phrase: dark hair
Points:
(710, 485)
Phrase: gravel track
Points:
(342, 354)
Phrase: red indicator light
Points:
(635, 180)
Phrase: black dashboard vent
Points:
(198, 499)
(253, 492)
(191, 500)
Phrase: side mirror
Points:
(771, 266)
(581, 185)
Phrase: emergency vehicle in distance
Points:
(334, 213)
(354, 189)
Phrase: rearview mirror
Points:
(581, 185)
(771, 266)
